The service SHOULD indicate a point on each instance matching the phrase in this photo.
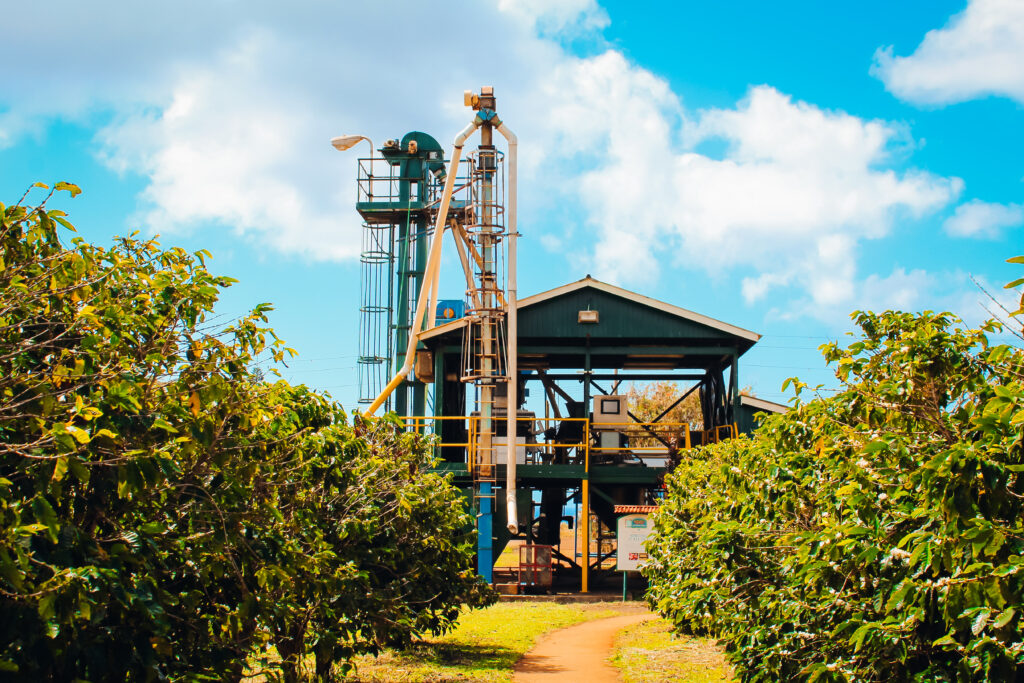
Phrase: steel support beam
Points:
(585, 532)
(631, 350)
(485, 533)
(569, 377)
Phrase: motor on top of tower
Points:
(484, 100)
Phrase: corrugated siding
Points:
(619, 319)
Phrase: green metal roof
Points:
(631, 331)
(622, 315)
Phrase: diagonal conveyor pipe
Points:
(433, 268)
(512, 411)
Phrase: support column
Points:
(402, 323)
(419, 389)
(734, 381)
(485, 533)
(585, 532)
(586, 386)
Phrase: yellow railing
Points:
(715, 435)
(639, 435)
(428, 424)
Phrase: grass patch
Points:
(649, 652)
(484, 646)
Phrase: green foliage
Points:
(1017, 284)
(168, 512)
(874, 535)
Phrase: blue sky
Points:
(773, 165)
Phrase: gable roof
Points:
(566, 291)
(639, 299)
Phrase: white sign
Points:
(632, 531)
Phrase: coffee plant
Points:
(168, 511)
(871, 535)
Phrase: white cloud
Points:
(228, 117)
(912, 290)
(565, 16)
(755, 288)
(899, 291)
(983, 219)
(230, 150)
(551, 242)
(796, 191)
(979, 52)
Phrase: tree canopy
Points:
(168, 509)
(876, 534)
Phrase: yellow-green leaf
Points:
(59, 468)
(71, 188)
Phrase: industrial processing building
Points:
(550, 368)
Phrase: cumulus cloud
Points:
(978, 53)
(209, 159)
(970, 296)
(795, 192)
(566, 16)
(899, 291)
(983, 219)
(227, 118)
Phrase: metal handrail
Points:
(649, 430)
(427, 424)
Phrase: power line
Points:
(785, 367)
(289, 371)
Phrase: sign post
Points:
(632, 530)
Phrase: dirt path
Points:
(577, 653)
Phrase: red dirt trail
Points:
(578, 653)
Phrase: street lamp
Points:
(343, 142)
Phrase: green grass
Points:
(649, 653)
(484, 647)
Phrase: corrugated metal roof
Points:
(640, 299)
(525, 303)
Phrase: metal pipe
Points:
(433, 269)
(512, 412)
(460, 231)
(460, 246)
(432, 311)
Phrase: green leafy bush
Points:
(873, 535)
(166, 511)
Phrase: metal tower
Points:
(397, 198)
(404, 202)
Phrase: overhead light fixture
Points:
(343, 142)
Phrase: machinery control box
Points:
(611, 409)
